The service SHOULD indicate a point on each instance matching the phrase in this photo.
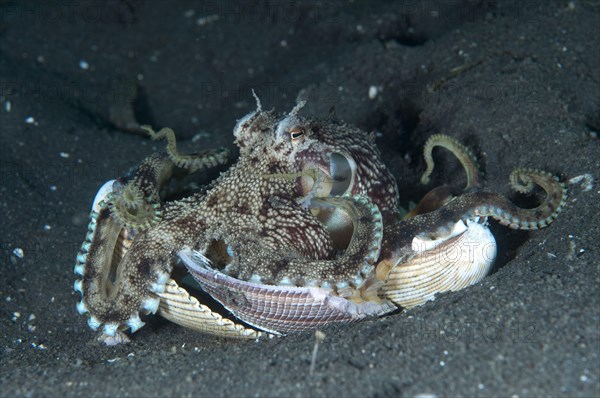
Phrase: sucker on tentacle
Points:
(113, 295)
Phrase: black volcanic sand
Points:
(517, 82)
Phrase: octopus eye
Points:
(296, 133)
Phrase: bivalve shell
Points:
(278, 309)
(179, 307)
(450, 263)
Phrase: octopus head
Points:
(326, 158)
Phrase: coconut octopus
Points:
(302, 231)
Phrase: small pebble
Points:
(64, 155)
(206, 20)
(47, 227)
(8, 106)
(18, 252)
(29, 120)
(84, 65)
(373, 92)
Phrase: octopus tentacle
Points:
(440, 196)
(469, 206)
(487, 204)
(135, 201)
(449, 248)
(306, 296)
(192, 162)
(98, 265)
(113, 287)
(462, 153)
(523, 180)
(350, 270)
(352, 225)
(281, 265)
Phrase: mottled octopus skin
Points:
(263, 204)
(417, 259)
(256, 200)
(282, 309)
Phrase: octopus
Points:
(302, 231)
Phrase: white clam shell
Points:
(179, 307)
(451, 263)
(102, 194)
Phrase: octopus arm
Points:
(122, 264)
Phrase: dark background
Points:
(518, 82)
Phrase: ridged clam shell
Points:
(278, 309)
(462, 259)
(179, 307)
